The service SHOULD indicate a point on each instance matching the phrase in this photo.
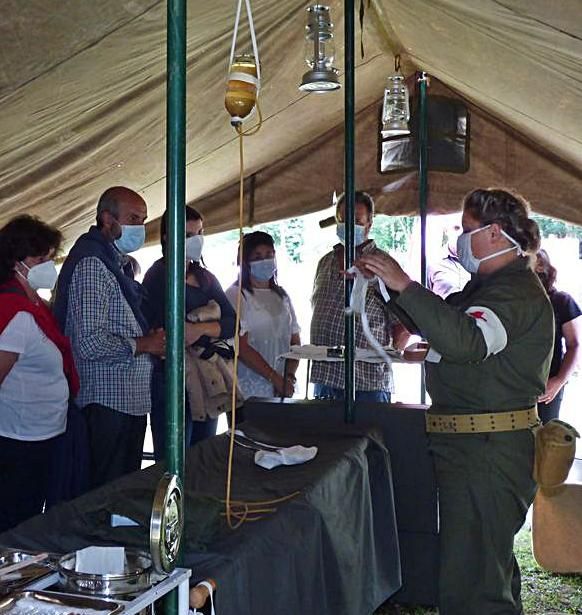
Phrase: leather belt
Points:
(482, 422)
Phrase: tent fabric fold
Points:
(82, 106)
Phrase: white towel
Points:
(290, 456)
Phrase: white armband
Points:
(492, 328)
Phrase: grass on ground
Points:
(543, 593)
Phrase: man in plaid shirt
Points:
(373, 380)
(99, 306)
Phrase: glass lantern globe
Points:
(319, 52)
(396, 108)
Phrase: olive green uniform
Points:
(484, 479)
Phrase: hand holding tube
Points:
(386, 268)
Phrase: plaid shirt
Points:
(327, 325)
(101, 326)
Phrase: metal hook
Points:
(397, 63)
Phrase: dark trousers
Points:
(194, 431)
(322, 391)
(24, 478)
(485, 488)
(550, 411)
(115, 443)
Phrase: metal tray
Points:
(10, 556)
(17, 580)
(49, 603)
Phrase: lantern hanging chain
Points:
(397, 63)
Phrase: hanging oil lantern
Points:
(396, 107)
(242, 88)
(319, 52)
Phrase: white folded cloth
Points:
(101, 560)
(290, 456)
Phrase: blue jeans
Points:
(194, 431)
(322, 391)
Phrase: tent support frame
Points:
(175, 255)
(422, 81)
(350, 206)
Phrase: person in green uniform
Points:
(489, 357)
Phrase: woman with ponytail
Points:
(489, 357)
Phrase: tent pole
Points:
(349, 178)
(423, 190)
(175, 255)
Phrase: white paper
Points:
(101, 560)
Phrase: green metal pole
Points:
(175, 253)
(422, 190)
(350, 205)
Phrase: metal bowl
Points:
(135, 578)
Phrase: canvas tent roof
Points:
(82, 105)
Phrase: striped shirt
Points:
(327, 325)
(102, 328)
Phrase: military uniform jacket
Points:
(491, 343)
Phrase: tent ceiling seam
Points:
(77, 53)
(448, 79)
(513, 10)
(265, 119)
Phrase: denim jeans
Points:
(322, 391)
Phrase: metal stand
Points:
(178, 579)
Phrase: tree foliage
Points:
(393, 233)
(558, 228)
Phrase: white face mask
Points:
(465, 252)
(359, 233)
(44, 275)
(194, 247)
(132, 238)
(263, 270)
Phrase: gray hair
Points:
(108, 201)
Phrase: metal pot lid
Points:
(167, 524)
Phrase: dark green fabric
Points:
(331, 550)
(464, 380)
(484, 481)
(485, 489)
(86, 520)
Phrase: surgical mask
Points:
(132, 238)
(359, 233)
(194, 247)
(44, 275)
(263, 270)
(465, 252)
